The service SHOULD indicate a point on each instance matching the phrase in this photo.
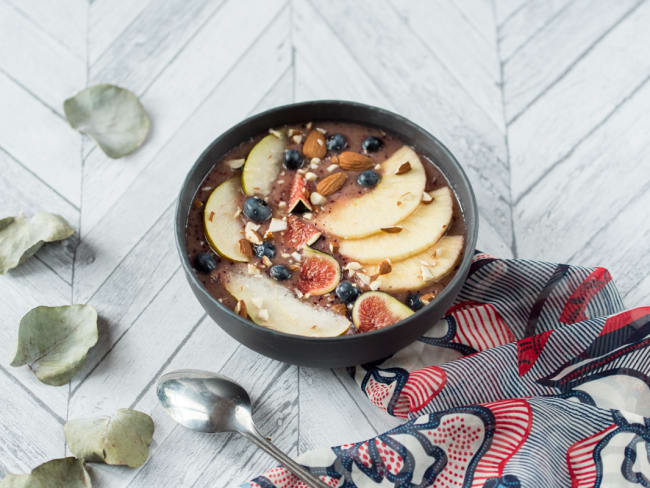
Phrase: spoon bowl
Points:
(205, 402)
(208, 402)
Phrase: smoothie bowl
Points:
(326, 233)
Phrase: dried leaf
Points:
(122, 439)
(21, 237)
(69, 472)
(112, 116)
(54, 341)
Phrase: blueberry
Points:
(414, 302)
(205, 262)
(336, 142)
(371, 144)
(347, 292)
(256, 209)
(265, 249)
(293, 159)
(280, 272)
(368, 178)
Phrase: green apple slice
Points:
(272, 305)
(263, 164)
(222, 228)
(391, 201)
(419, 231)
(375, 309)
(422, 269)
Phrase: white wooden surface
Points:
(545, 102)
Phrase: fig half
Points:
(299, 233)
(319, 272)
(299, 196)
(375, 310)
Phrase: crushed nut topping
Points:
(317, 199)
(236, 163)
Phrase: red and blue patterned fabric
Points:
(536, 377)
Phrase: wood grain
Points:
(550, 129)
(546, 104)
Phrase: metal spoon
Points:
(208, 402)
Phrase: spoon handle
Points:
(285, 460)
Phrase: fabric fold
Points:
(536, 376)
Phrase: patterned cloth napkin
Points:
(536, 377)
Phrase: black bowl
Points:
(345, 350)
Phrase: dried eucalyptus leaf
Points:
(21, 237)
(111, 115)
(58, 473)
(54, 341)
(122, 439)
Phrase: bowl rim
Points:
(469, 207)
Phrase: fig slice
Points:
(375, 310)
(319, 272)
(300, 233)
(299, 196)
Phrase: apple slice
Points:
(222, 229)
(422, 269)
(375, 310)
(419, 231)
(394, 198)
(272, 305)
(263, 164)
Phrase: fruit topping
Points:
(347, 292)
(205, 262)
(375, 309)
(413, 301)
(293, 159)
(336, 142)
(319, 272)
(223, 228)
(265, 249)
(300, 233)
(314, 145)
(393, 199)
(256, 209)
(280, 272)
(331, 184)
(272, 305)
(368, 178)
(263, 164)
(299, 196)
(371, 144)
(422, 269)
(419, 231)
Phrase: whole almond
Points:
(353, 161)
(331, 184)
(385, 267)
(314, 145)
(245, 248)
(404, 168)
